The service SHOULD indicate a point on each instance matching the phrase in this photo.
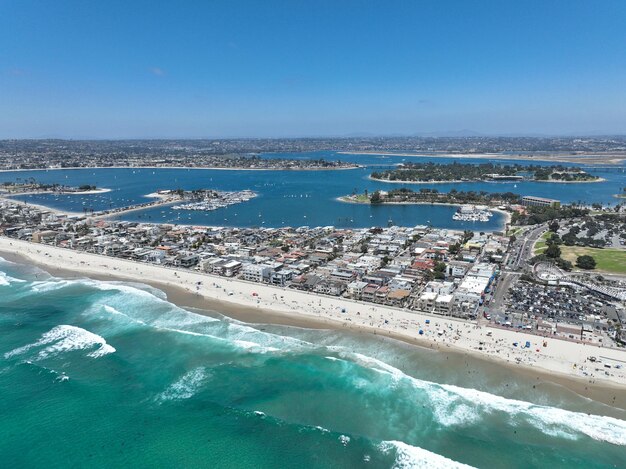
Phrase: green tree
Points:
(554, 226)
(564, 264)
(554, 239)
(454, 248)
(376, 198)
(440, 270)
(586, 262)
(553, 251)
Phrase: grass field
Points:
(360, 198)
(607, 260)
(514, 231)
(540, 245)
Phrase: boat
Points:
(474, 213)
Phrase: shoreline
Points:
(179, 167)
(608, 159)
(90, 192)
(475, 181)
(43, 208)
(291, 307)
(507, 215)
(556, 181)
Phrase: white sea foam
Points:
(186, 386)
(254, 347)
(245, 333)
(43, 286)
(111, 310)
(147, 307)
(6, 280)
(125, 287)
(141, 290)
(413, 457)
(62, 339)
(453, 406)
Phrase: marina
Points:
(209, 200)
(480, 213)
(308, 197)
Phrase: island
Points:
(484, 172)
(31, 186)
(433, 196)
(476, 206)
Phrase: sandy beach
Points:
(558, 361)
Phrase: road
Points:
(522, 249)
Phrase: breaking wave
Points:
(186, 386)
(6, 280)
(64, 338)
(458, 406)
(413, 457)
(451, 406)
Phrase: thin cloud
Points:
(157, 71)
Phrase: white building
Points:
(444, 305)
(256, 272)
(426, 301)
(355, 289)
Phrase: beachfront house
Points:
(355, 289)
(256, 273)
(281, 278)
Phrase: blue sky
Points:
(135, 69)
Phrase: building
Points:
(532, 201)
(187, 261)
(457, 269)
(444, 305)
(397, 297)
(369, 292)
(426, 301)
(44, 236)
(281, 277)
(256, 272)
(231, 268)
(355, 289)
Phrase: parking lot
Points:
(533, 301)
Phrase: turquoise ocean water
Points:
(96, 374)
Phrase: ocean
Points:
(111, 374)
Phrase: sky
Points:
(298, 68)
